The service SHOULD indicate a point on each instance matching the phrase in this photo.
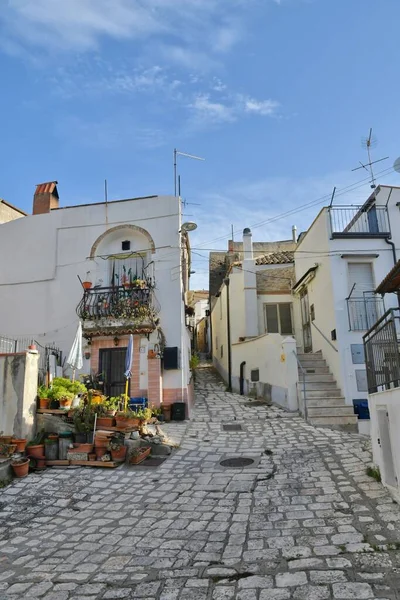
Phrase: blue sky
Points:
(276, 95)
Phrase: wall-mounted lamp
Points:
(116, 341)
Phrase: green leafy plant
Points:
(375, 473)
(144, 414)
(194, 361)
(83, 418)
(60, 393)
(43, 391)
(75, 387)
(38, 439)
(127, 414)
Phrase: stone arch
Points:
(120, 227)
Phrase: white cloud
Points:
(214, 112)
(230, 107)
(261, 107)
(80, 24)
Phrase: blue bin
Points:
(361, 409)
(137, 403)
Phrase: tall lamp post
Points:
(228, 324)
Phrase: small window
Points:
(126, 245)
(278, 318)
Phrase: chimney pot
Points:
(294, 233)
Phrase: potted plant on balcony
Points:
(87, 284)
(44, 396)
(127, 418)
(117, 448)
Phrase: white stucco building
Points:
(133, 257)
(382, 352)
(253, 321)
(339, 261)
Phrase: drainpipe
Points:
(228, 324)
(395, 261)
(241, 381)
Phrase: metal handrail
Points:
(304, 387)
(324, 336)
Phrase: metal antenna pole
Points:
(232, 232)
(175, 153)
(333, 195)
(179, 186)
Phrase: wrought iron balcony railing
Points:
(359, 221)
(382, 352)
(364, 312)
(120, 303)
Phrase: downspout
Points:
(228, 324)
(211, 331)
(241, 380)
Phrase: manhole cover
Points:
(232, 427)
(237, 462)
(152, 462)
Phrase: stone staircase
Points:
(326, 405)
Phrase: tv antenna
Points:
(176, 154)
(368, 143)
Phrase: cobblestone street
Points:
(302, 521)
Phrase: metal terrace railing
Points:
(382, 352)
(364, 312)
(115, 303)
(359, 221)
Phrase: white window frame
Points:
(277, 304)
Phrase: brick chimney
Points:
(45, 198)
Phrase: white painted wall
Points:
(200, 310)
(329, 289)
(390, 401)
(39, 287)
(274, 356)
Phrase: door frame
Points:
(305, 320)
(108, 375)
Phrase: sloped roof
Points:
(391, 283)
(276, 258)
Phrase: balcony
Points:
(364, 312)
(382, 352)
(359, 221)
(109, 309)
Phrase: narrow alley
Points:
(301, 519)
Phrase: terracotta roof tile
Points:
(49, 186)
(276, 258)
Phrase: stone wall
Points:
(18, 390)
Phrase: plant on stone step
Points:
(374, 472)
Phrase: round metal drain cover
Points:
(236, 462)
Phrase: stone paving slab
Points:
(303, 522)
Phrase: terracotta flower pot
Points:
(92, 456)
(105, 421)
(20, 443)
(119, 455)
(121, 422)
(88, 448)
(65, 402)
(44, 402)
(36, 451)
(87, 285)
(21, 467)
(40, 462)
(100, 451)
(144, 453)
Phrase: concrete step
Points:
(312, 364)
(319, 378)
(313, 369)
(331, 411)
(330, 393)
(326, 402)
(347, 423)
(320, 385)
(309, 355)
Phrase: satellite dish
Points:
(188, 226)
(396, 165)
